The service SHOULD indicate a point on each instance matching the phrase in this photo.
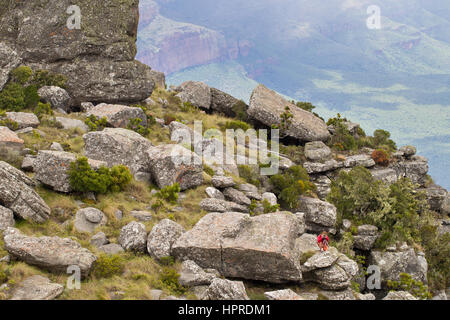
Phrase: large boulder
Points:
(317, 151)
(196, 93)
(236, 196)
(436, 195)
(222, 289)
(51, 253)
(319, 215)
(172, 163)
(392, 264)
(387, 175)
(17, 194)
(37, 288)
(23, 119)
(366, 237)
(57, 97)
(118, 116)
(52, 168)
(266, 106)
(224, 103)
(192, 275)
(97, 58)
(6, 218)
(119, 146)
(9, 60)
(237, 245)
(9, 140)
(416, 170)
(133, 237)
(162, 237)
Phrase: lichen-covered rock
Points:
(218, 205)
(237, 245)
(10, 140)
(162, 237)
(416, 170)
(57, 97)
(399, 295)
(323, 184)
(23, 119)
(118, 116)
(445, 207)
(172, 163)
(270, 197)
(133, 237)
(320, 260)
(236, 196)
(6, 218)
(286, 294)
(387, 175)
(319, 215)
(37, 288)
(196, 93)
(192, 275)
(99, 239)
(141, 215)
(97, 59)
(28, 163)
(408, 151)
(266, 106)
(319, 167)
(436, 196)
(362, 160)
(224, 103)
(317, 151)
(222, 289)
(88, 219)
(366, 237)
(222, 182)
(118, 146)
(51, 253)
(68, 123)
(17, 194)
(9, 60)
(52, 169)
(214, 193)
(111, 248)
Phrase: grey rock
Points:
(436, 195)
(111, 248)
(57, 97)
(214, 193)
(142, 215)
(162, 237)
(55, 146)
(52, 169)
(23, 119)
(366, 237)
(399, 295)
(408, 151)
(86, 106)
(318, 167)
(133, 237)
(156, 294)
(320, 260)
(51, 253)
(37, 288)
(319, 215)
(317, 151)
(222, 289)
(9, 60)
(9, 140)
(441, 295)
(172, 163)
(362, 160)
(99, 239)
(445, 207)
(217, 205)
(236, 196)
(416, 170)
(222, 182)
(323, 184)
(224, 103)
(192, 275)
(118, 116)
(88, 219)
(6, 218)
(196, 93)
(386, 175)
(68, 123)
(286, 294)
(118, 146)
(270, 197)
(237, 245)
(266, 106)
(17, 194)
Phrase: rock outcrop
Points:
(51, 253)
(97, 58)
(258, 248)
(37, 288)
(266, 106)
(118, 116)
(17, 194)
(162, 237)
(133, 237)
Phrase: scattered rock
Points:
(286, 294)
(236, 196)
(196, 93)
(88, 219)
(361, 160)
(214, 193)
(222, 182)
(55, 146)
(23, 119)
(133, 237)
(156, 294)
(366, 237)
(162, 237)
(270, 197)
(172, 163)
(399, 295)
(142, 215)
(51, 253)
(99, 239)
(192, 275)
(222, 289)
(68, 123)
(319, 215)
(10, 140)
(317, 151)
(118, 116)
(408, 151)
(17, 194)
(6, 218)
(318, 167)
(57, 97)
(111, 248)
(37, 288)
(52, 169)
(257, 248)
(217, 205)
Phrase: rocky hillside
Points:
(118, 194)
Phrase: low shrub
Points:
(169, 193)
(135, 124)
(108, 265)
(237, 124)
(96, 124)
(84, 179)
(408, 284)
(240, 110)
(10, 124)
(268, 208)
(188, 107)
(380, 157)
(43, 78)
(249, 174)
(168, 279)
(43, 109)
(21, 75)
(12, 97)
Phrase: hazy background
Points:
(396, 78)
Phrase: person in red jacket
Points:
(322, 241)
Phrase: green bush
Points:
(268, 208)
(21, 75)
(236, 125)
(307, 106)
(408, 284)
(188, 107)
(306, 255)
(249, 174)
(84, 179)
(135, 124)
(10, 124)
(169, 193)
(96, 124)
(208, 170)
(43, 78)
(168, 279)
(12, 97)
(43, 109)
(31, 96)
(108, 265)
(291, 184)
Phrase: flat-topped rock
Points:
(23, 119)
(266, 106)
(218, 205)
(319, 167)
(362, 160)
(69, 123)
(37, 288)
(317, 151)
(118, 116)
(196, 93)
(9, 139)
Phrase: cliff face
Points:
(97, 58)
